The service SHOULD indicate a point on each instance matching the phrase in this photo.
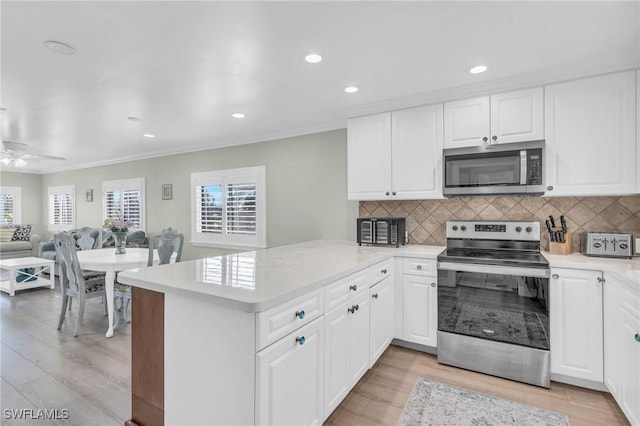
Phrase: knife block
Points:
(561, 248)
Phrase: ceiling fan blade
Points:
(32, 156)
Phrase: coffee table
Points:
(11, 269)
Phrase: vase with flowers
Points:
(119, 228)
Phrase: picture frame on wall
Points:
(88, 196)
(167, 191)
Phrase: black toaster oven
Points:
(388, 231)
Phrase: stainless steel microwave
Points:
(511, 168)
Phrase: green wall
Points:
(306, 188)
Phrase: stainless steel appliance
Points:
(513, 168)
(381, 231)
(607, 244)
(493, 306)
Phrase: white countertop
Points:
(255, 281)
(625, 269)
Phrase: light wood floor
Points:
(90, 375)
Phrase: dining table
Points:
(106, 260)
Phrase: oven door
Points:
(496, 303)
(489, 172)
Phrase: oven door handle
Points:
(494, 269)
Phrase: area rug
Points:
(433, 403)
(524, 328)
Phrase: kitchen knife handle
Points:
(552, 221)
(563, 223)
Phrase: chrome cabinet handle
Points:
(301, 340)
(433, 284)
(494, 137)
(485, 139)
(374, 295)
(550, 188)
(601, 279)
(300, 314)
(353, 308)
(419, 267)
(637, 337)
(353, 287)
(555, 276)
(393, 193)
(384, 271)
(386, 193)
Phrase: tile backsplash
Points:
(426, 218)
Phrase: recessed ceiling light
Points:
(351, 89)
(313, 58)
(132, 118)
(238, 115)
(149, 135)
(478, 69)
(59, 47)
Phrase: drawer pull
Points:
(300, 314)
(301, 340)
(419, 267)
(353, 287)
(353, 309)
(555, 276)
(433, 285)
(637, 336)
(374, 295)
(384, 271)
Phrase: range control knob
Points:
(518, 228)
(528, 229)
(463, 228)
(455, 227)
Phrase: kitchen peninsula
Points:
(281, 335)
(239, 339)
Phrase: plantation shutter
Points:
(60, 209)
(7, 206)
(124, 200)
(132, 206)
(112, 204)
(241, 208)
(209, 208)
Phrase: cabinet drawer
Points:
(422, 267)
(342, 290)
(380, 271)
(283, 319)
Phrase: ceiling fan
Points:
(15, 153)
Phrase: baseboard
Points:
(583, 383)
(415, 346)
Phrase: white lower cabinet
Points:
(420, 302)
(381, 318)
(622, 345)
(290, 378)
(576, 326)
(346, 349)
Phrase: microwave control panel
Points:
(534, 160)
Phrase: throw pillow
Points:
(6, 234)
(135, 239)
(23, 233)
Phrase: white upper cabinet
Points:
(466, 122)
(396, 155)
(507, 117)
(369, 157)
(591, 136)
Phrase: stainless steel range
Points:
(493, 306)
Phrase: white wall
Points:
(306, 188)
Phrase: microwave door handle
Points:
(523, 167)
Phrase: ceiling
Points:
(182, 68)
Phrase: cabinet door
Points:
(336, 352)
(630, 366)
(417, 153)
(359, 340)
(382, 302)
(466, 122)
(290, 379)
(575, 316)
(517, 116)
(420, 310)
(369, 157)
(590, 136)
(611, 335)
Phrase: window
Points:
(62, 209)
(229, 207)
(124, 200)
(11, 205)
